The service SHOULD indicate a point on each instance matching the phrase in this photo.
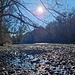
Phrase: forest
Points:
(13, 26)
(62, 30)
(16, 27)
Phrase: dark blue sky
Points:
(65, 5)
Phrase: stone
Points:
(45, 74)
(47, 68)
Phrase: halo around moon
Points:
(40, 10)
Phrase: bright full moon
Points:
(40, 10)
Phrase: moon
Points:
(40, 10)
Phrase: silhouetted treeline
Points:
(62, 30)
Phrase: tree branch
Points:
(19, 19)
(51, 9)
(29, 11)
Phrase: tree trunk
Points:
(1, 13)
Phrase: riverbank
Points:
(37, 59)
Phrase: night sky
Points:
(65, 5)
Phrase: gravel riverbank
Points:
(37, 59)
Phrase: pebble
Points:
(53, 59)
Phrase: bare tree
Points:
(11, 15)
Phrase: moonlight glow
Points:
(40, 10)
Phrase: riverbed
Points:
(37, 59)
